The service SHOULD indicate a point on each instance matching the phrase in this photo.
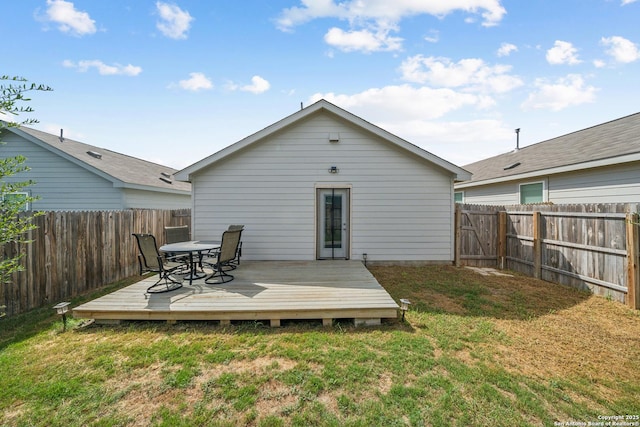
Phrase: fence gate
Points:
(477, 236)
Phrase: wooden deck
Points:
(264, 290)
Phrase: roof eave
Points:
(610, 161)
(458, 172)
(152, 188)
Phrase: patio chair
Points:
(221, 259)
(150, 260)
(234, 263)
(175, 234)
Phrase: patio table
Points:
(191, 247)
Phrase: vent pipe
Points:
(61, 135)
(517, 139)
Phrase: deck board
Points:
(261, 290)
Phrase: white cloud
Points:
(563, 53)
(174, 22)
(555, 96)
(385, 12)
(103, 69)
(196, 82)
(598, 63)
(460, 142)
(506, 49)
(621, 49)
(433, 37)
(69, 19)
(371, 21)
(404, 102)
(626, 2)
(470, 74)
(258, 85)
(363, 40)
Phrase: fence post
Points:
(457, 225)
(537, 245)
(633, 279)
(502, 239)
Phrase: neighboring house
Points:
(325, 184)
(600, 164)
(71, 175)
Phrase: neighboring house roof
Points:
(613, 142)
(185, 174)
(122, 170)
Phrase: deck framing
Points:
(262, 290)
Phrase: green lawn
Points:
(474, 351)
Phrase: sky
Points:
(175, 81)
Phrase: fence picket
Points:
(586, 246)
(74, 252)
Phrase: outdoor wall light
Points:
(364, 258)
(62, 308)
(333, 169)
(404, 306)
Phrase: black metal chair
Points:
(150, 260)
(223, 257)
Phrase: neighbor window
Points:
(19, 197)
(531, 193)
(458, 196)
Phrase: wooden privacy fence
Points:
(74, 252)
(591, 247)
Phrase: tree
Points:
(14, 223)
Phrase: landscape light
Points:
(404, 306)
(62, 308)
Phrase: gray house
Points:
(600, 164)
(71, 175)
(323, 183)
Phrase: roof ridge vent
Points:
(94, 154)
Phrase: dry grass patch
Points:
(596, 339)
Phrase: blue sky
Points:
(173, 82)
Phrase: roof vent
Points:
(166, 175)
(511, 166)
(168, 181)
(94, 154)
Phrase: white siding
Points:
(497, 194)
(401, 206)
(615, 184)
(60, 184)
(619, 184)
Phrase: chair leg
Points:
(218, 276)
(165, 283)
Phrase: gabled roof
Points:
(322, 105)
(122, 170)
(610, 143)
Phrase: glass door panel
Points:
(333, 219)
